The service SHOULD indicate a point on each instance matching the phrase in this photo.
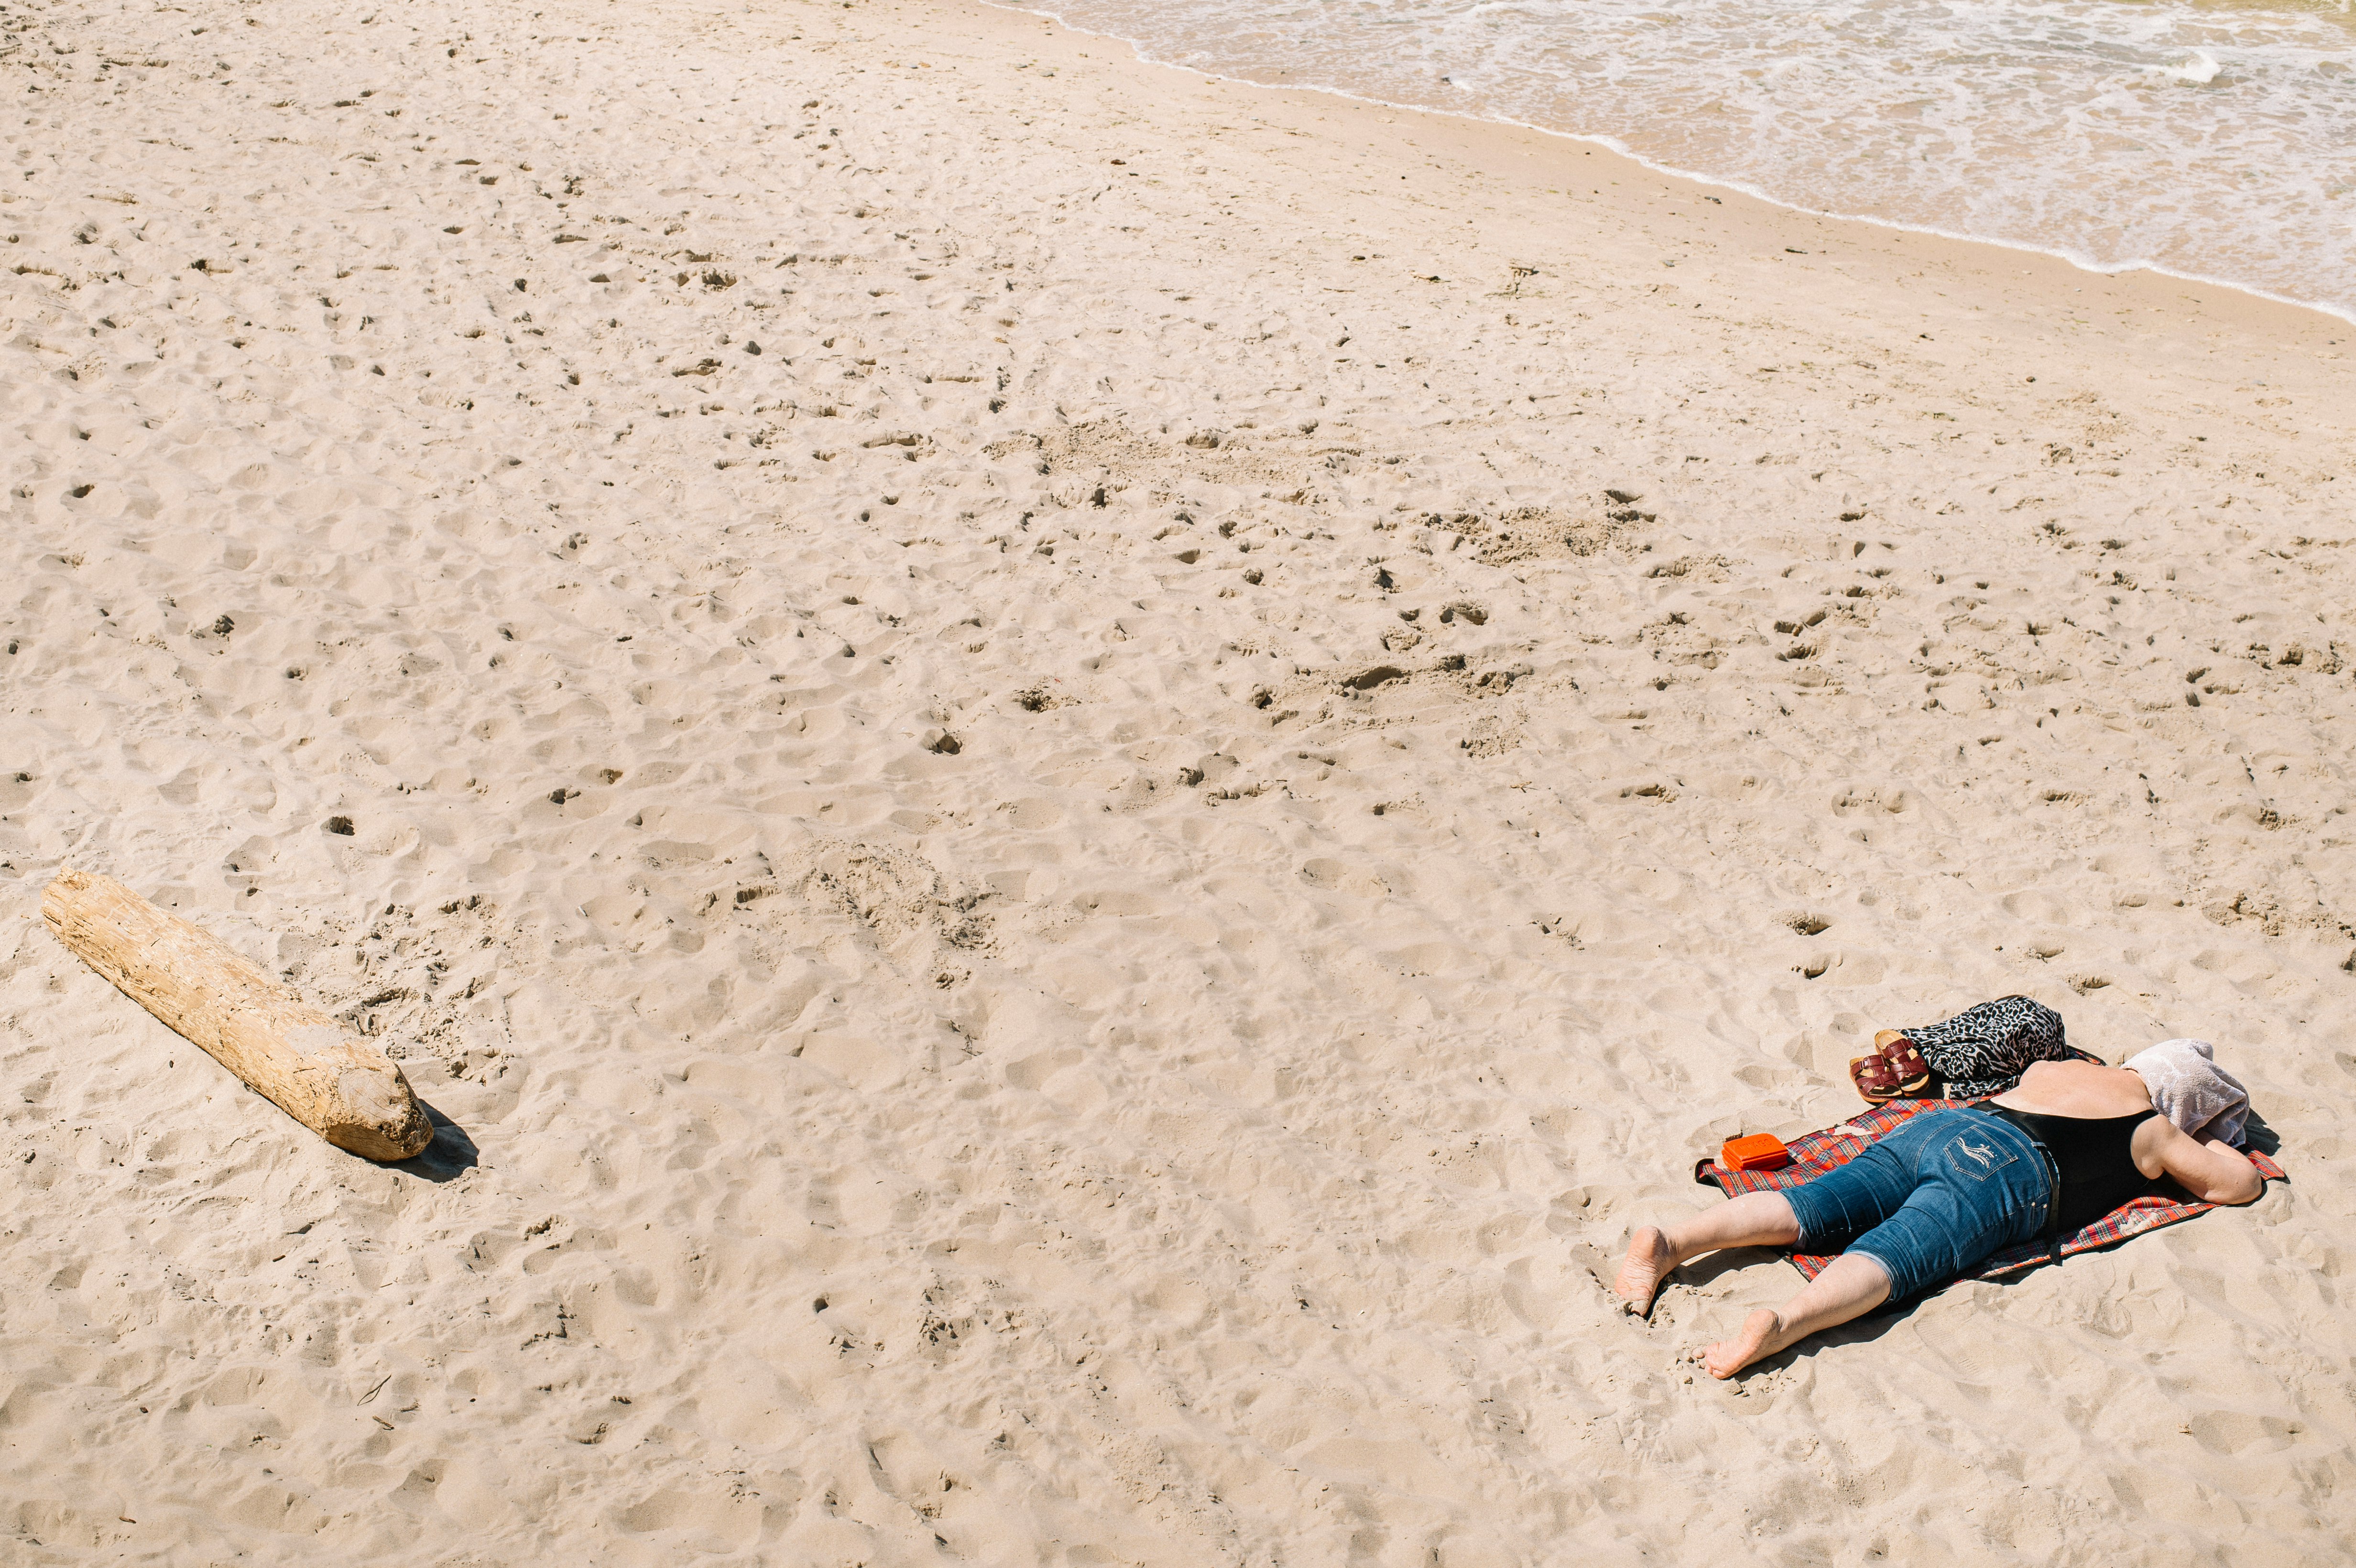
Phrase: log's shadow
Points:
(451, 1155)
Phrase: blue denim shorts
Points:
(1931, 1199)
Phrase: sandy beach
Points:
(1069, 783)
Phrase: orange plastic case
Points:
(1759, 1151)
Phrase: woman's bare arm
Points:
(2214, 1171)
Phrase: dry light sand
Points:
(1060, 918)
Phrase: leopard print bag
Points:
(1984, 1049)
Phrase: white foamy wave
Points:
(2058, 125)
(2198, 71)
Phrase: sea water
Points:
(2210, 139)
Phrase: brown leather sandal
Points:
(1875, 1079)
(1896, 1071)
(1906, 1060)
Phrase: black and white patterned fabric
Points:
(1983, 1050)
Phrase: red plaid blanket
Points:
(1819, 1152)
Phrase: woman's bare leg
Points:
(1753, 1219)
(1851, 1285)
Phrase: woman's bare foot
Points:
(1649, 1258)
(1757, 1338)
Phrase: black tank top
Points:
(2094, 1157)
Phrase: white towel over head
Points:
(2189, 1089)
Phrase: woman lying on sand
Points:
(2071, 1143)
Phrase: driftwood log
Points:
(310, 1066)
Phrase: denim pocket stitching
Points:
(1979, 1161)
